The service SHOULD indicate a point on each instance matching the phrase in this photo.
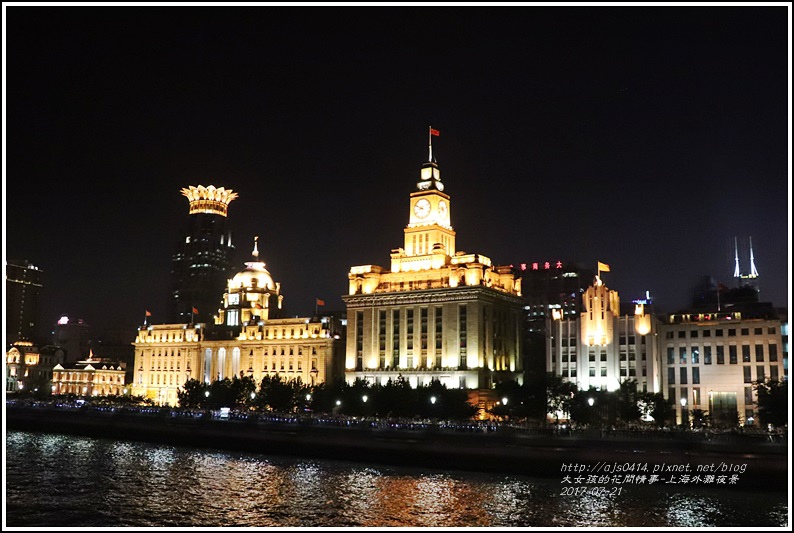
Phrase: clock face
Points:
(442, 209)
(422, 208)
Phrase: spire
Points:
(430, 135)
(753, 271)
(736, 272)
(430, 175)
(255, 253)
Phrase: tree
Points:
(627, 401)
(655, 405)
(192, 394)
(395, 398)
(559, 395)
(772, 402)
(241, 391)
(279, 394)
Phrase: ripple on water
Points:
(66, 481)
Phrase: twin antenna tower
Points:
(744, 278)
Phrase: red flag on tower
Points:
(195, 311)
(148, 313)
(320, 302)
(434, 132)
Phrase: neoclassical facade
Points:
(244, 341)
(94, 376)
(438, 313)
(31, 367)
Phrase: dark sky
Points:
(643, 137)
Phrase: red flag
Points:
(195, 311)
(148, 313)
(434, 132)
(320, 302)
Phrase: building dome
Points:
(255, 276)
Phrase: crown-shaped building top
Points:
(211, 199)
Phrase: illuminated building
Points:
(438, 313)
(28, 367)
(91, 377)
(203, 261)
(547, 285)
(23, 285)
(712, 360)
(601, 347)
(245, 340)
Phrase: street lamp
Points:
(684, 413)
(590, 402)
(504, 400)
(364, 398)
(433, 400)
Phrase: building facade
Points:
(601, 347)
(23, 287)
(245, 340)
(93, 376)
(438, 313)
(28, 367)
(712, 360)
(204, 257)
(705, 362)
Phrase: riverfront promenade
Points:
(754, 463)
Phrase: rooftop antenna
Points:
(753, 271)
(736, 272)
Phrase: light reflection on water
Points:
(66, 481)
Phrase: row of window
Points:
(720, 354)
(747, 370)
(718, 332)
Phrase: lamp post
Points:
(684, 414)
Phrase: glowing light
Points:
(433, 400)
(590, 402)
(209, 199)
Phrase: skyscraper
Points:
(23, 285)
(204, 258)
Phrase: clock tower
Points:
(438, 313)
(429, 228)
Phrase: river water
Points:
(66, 481)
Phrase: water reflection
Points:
(64, 481)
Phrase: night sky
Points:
(643, 137)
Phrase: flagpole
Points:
(430, 143)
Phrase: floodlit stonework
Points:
(439, 313)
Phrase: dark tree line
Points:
(396, 398)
